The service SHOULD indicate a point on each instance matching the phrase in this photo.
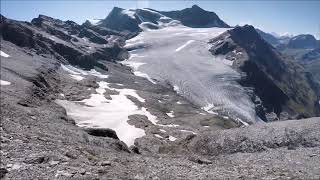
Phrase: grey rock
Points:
(36, 160)
(3, 172)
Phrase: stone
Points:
(3, 172)
(105, 163)
(200, 160)
(36, 160)
(102, 132)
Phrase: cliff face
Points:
(282, 85)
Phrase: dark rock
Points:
(199, 160)
(135, 149)
(36, 160)
(102, 132)
(68, 120)
(3, 172)
(71, 155)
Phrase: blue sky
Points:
(293, 17)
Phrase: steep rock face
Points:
(280, 83)
(196, 17)
(304, 41)
(67, 41)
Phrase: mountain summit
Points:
(134, 20)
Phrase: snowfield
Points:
(179, 55)
(101, 112)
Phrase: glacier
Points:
(180, 56)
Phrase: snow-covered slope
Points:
(179, 55)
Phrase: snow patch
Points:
(158, 136)
(129, 12)
(133, 65)
(4, 83)
(76, 77)
(105, 113)
(76, 72)
(162, 130)
(144, 75)
(176, 88)
(95, 21)
(171, 138)
(93, 72)
(168, 125)
(151, 118)
(170, 114)
(209, 108)
(3, 54)
(182, 130)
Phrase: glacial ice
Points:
(179, 55)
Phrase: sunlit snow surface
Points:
(4, 83)
(3, 54)
(179, 55)
(98, 111)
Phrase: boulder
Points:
(102, 132)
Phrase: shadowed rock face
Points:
(280, 83)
